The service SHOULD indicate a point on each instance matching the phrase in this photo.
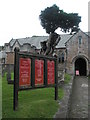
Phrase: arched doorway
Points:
(80, 65)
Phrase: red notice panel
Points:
(39, 74)
(50, 72)
(25, 72)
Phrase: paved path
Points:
(79, 100)
(63, 110)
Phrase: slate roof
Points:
(88, 33)
(35, 41)
(64, 39)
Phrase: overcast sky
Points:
(20, 18)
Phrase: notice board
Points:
(31, 71)
(50, 72)
(24, 72)
(39, 72)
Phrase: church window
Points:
(80, 40)
(61, 58)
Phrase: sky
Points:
(20, 18)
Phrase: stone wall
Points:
(61, 72)
(61, 65)
(7, 68)
(89, 52)
(10, 58)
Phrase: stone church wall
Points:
(75, 49)
(89, 52)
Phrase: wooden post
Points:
(56, 92)
(45, 72)
(16, 72)
(33, 72)
(56, 80)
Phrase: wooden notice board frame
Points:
(26, 68)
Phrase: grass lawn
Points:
(37, 103)
(0, 97)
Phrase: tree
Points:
(53, 18)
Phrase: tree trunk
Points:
(47, 47)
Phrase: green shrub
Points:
(67, 78)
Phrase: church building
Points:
(73, 51)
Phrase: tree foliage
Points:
(53, 18)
